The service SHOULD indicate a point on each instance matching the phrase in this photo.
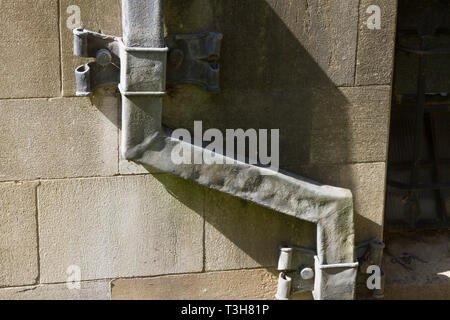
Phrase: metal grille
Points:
(418, 185)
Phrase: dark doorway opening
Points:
(418, 179)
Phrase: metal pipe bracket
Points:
(105, 71)
(301, 270)
(193, 60)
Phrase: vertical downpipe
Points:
(142, 28)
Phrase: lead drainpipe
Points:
(146, 141)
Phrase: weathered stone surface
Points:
(120, 227)
(57, 138)
(326, 126)
(239, 234)
(289, 111)
(29, 53)
(257, 284)
(96, 290)
(375, 59)
(317, 43)
(352, 131)
(270, 60)
(280, 45)
(367, 183)
(18, 234)
(102, 16)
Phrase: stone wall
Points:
(310, 68)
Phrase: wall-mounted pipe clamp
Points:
(296, 266)
(301, 270)
(192, 59)
(105, 71)
(143, 70)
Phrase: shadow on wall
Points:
(274, 54)
(269, 81)
(267, 75)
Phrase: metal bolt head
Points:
(307, 273)
(103, 57)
